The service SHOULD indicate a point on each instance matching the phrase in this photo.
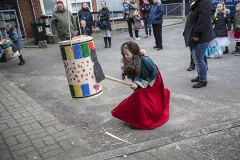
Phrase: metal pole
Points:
(183, 10)
(78, 19)
(113, 21)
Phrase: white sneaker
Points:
(138, 38)
(131, 37)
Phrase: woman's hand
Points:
(133, 86)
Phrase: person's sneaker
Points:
(131, 37)
(155, 47)
(149, 35)
(138, 38)
(159, 49)
(146, 36)
(195, 79)
(200, 84)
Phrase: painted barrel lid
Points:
(78, 39)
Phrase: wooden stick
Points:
(118, 80)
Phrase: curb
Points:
(162, 141)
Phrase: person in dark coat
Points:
(105, 25)
(197, 35)
(155, 18)
(222, 25)
(14, 36)
(85, 14)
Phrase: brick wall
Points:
(27, 14)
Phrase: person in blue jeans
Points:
(197, 35)
(145, 9)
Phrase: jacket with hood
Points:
(105, 13)
(236, 22)
(85, 14)
(198, 23)
(60, 23)
(222, 24)
(14, 36)
(156, 13)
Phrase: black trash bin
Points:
(39, 31)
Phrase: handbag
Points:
(231, 33)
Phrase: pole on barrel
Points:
(78, 18)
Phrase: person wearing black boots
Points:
(13, 35)
(104, 24)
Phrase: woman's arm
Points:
(106, 16)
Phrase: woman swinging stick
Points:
(148, 106)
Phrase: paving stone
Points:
(51, 130)
(49, 148)
(25, 114)
(27, 120)
(17, 106)
(47, 120)
(17, 116)
(11, 141)
(60, 127)
(39, 143)
(2, 145)
(20, 157)
(27, 128)
(34, 155)
(38, 135)
(4, 114)
(21, 100)
(66, 145)
(6, 119)
(39, 117)
(52, 153)
(21, 138)
(36, 125)
(50, 123)
(36, 131)
(20, 146)
(23, 151)
(49, 140)
(12, 124)
(3, 126)
(13, 133)
(5, 154)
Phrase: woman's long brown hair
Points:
(132, 68)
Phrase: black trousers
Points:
(157, 32)
(130, 23)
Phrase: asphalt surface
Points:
(41, 106)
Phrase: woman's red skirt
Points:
(146, 108)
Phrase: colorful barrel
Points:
(9, 49)
(79, 67)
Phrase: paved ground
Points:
(40, 120)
